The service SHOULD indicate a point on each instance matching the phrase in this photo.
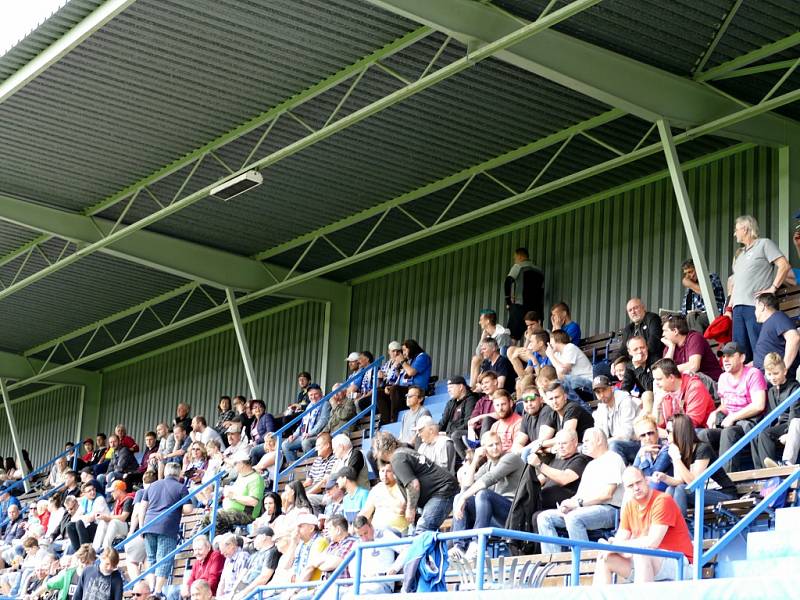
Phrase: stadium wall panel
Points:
(594, 259)
(146, 392)
(45, 422)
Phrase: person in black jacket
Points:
(458, 409)
(765, 448)
(644, 324)
(122, 462)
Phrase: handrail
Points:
(40, 469)
(210, 528)
(375, 367)
(483, 534)
(698, 486)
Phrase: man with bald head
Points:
(599, 495)
(650, 519)
(644, 324)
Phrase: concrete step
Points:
(773, 544)
(767, 567)
(787, 518)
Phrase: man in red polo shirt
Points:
(650, 519)
(207, 566)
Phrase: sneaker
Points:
(770, 464)
(455, 553)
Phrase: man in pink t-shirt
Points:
(508, 422)
(743, 396)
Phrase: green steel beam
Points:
(774, 66)
(325, 85)
(642, 90)
(482, 53)
(553, 212)
(56, 51)
(18, 368)
(446, 182)
(720, 32)
(172, 255)
(589, 172)
(751, 57)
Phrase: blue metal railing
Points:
(698, 487)
(210, 528)
(483, 535)
(40, 469)
(374, 367)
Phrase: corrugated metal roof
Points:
(52, 29)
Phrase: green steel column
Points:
(12, 427)
(336, 338)
(687, 216)
(90, 415)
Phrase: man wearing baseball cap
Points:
(742, 391)
(263, 563)
(614, 416)
(458, 409)
(435, 445)
(114, 525)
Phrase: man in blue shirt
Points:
(778, 334)
(652, 456)
(6, 500)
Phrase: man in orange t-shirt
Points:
(650, 519)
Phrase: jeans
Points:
(434, 513)
(484, 509)
(627, 449)
(746, 329)
(171, 592)
(158, 546)
(682, 497)
(578, 522)
(572, 383)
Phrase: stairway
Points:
(774, 552)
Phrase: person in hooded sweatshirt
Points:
(102, 581)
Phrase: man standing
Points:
(743, 396)
(614, 416)
(595, 504)
(425, 485)
(677, 393)
(524, 291)
(688, 348)
(492, 478)
(778, 334)
(693, 306)
(650, 519)
(643, 324)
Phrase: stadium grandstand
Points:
(339, 298)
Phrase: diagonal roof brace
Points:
(642, 90)
(178, 257)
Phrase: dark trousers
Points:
(766, 445)
(722, 439)
(392, 403)
(78, 534)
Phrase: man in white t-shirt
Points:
(202, 433)
(597, 501)
(573, 368)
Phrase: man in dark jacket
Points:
(644, 324)
(765, 448)
(458, 409)
(102, 581)
(122, 462)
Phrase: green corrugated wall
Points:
(594, 258)
(45, 422)
(143, 393)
